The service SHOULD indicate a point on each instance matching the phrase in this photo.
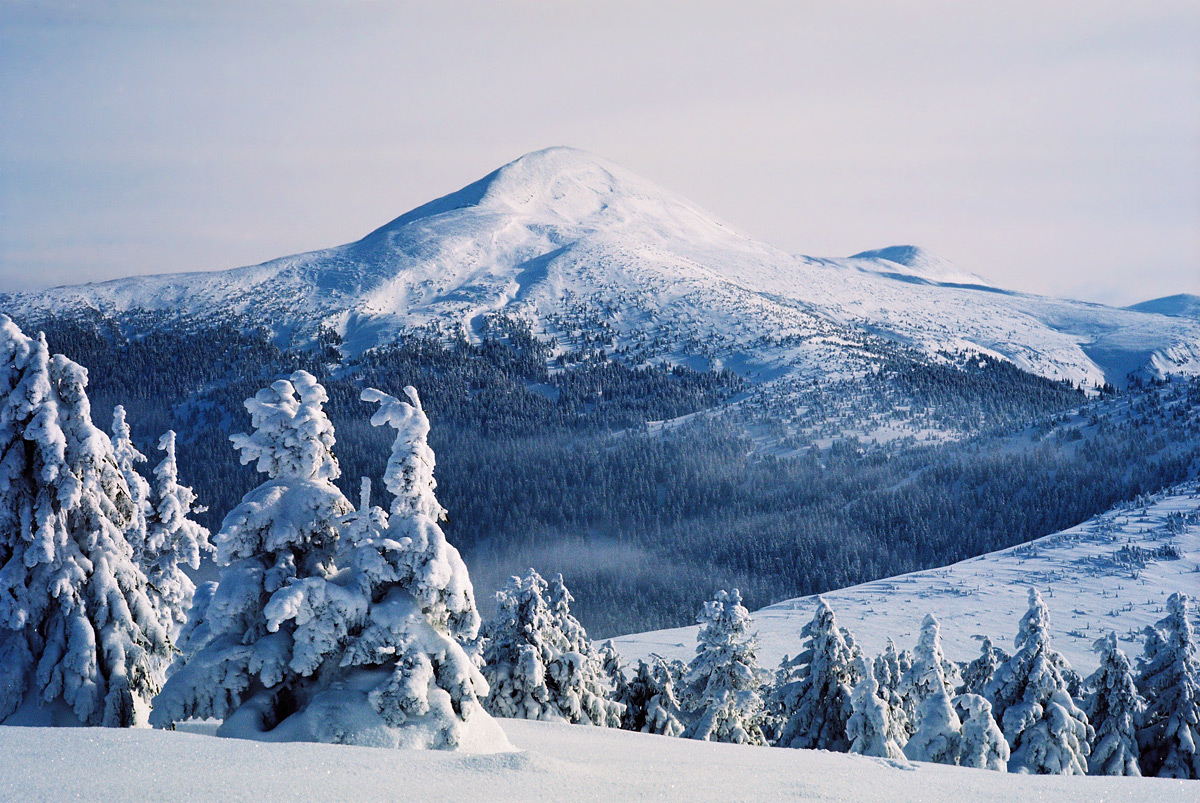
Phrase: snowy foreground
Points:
(554, 762)
(1099, 576)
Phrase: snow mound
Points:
(558, 762)
(1183, 305)
(910, 261)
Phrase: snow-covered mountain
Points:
(1181, 305)
(594, 255)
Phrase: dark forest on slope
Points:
(552, 464)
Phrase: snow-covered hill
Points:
(554, 762)
(1113, 572)
(598, 257)
(1182, 305)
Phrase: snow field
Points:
(554, 762)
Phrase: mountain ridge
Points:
(592, 255)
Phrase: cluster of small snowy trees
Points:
(331, 623)
(1028, 712)
(327, 623)
(92, 586)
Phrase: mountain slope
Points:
(1182, 305)
(1113, 572)
(596, 256)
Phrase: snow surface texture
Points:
(556, 762)
(1106, 574)
(581, 247)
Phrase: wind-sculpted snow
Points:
(598, 257)
(1111, 573)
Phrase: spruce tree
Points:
(384, 644)
(614, 670)
(651, 705)
(1113, 709)
(1169, 677)
(538, 661)
(173, 540)
(79, 639)
(818, 703)
(982, 745)
(869, 729)
(978, 673)
(724, 681)
(1046, 730)
(127, 457)
(928, 672)
(890, 666)
(238, 667)
(939, 731)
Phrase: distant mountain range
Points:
(597, 257)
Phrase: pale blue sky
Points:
(1051, 146)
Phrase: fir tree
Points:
(127, 457)
(614, 670)
(79, 639)
(724, 681)
(928, 672)
(978, 673)
(1113, 709)
(939, 731)
(538, 660)
(869, 729)
(384, 643)
(238, 667)
(982, 745)
(1047, 732)
(1169, 677)
(651, 705)
(818, 702)
(890, 666)
(173, 540)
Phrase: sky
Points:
(1053, 147)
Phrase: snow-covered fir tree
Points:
(614, 670)
(173, 540)
(1113, 708)
(939, 730)
(651, 705)
(538, 660)
(79, 638)
(238, 668)
(890, 666)
(978, 673)
(928, 672)
(1169, 678)
(818, 703)
(384, 643)
(870, 729)
(982, 745)
(1046, 730)
(127, 457)
(724, 681)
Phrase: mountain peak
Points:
(559, 183)
(915, 262)
(1182, 305)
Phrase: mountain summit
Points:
(919, 264)
(596, 256)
